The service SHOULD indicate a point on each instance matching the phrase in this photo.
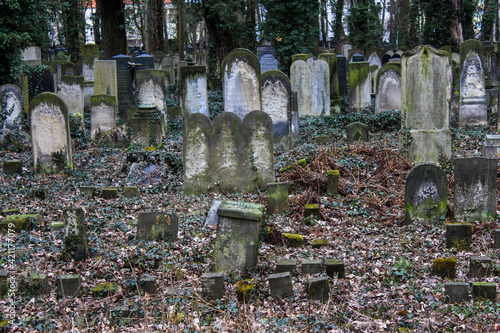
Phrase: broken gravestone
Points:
(157, 226)
(75, 236)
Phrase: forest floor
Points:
(389, 285)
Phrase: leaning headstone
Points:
(331, 60)
(475, 188)
(151, 85)
(237, 242)
(75, 235)
(212, 217)
(473, 107)
(72, 93)
(193, 84)
(360, 85)
(105, 78)
(11, 109)
(102, 113)
(124, 84)
(157, 226)
(90, 53)
(276, 102)
(388, 89)
(357, 132)
(425, 193)
(240, 72)
(48, 116)
(425, 90)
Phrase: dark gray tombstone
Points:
(385, 59)
(147, 61)
(342, 72)
(357, 132)
(426, 193)
(124, 83)
(268, 63)
(357, 57)
(157, 226)
(475, 188)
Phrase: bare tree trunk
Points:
(182, 27)
(157, 17)
(456, 24)
(114, 38)
(323, 21)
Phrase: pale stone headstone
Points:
(426, 193)
(48, 114)
(212, 217)
(491, 146)
(345, 50)
(360, 85)
(32, 55)
(124, 84)
(90, 53)
(105, 78)
(193, 84)
(388, 89)
(277, 103)
(240, 72)
(473, 108)
(475, 188)
(72, 93)
(102, 113)
(331, 60)
(11, 109)
(75, 235)
(157, 226)
(375, 57)
(151, 85)
(425, 94)
(167, 64)
(237, 242)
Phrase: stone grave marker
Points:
(32, 55)
(212, 217)
(472, 107)
(151, 85)
(360, 85)
(90, 53)
(11, 108)
(388, 89)
(277, 197)
(491, 146)
(425, 193)
(144, 61)
(167, 64)
(277, 103)
(237, 242)
(268, 63)
(357, 57)
(102, 113)
(149, 124)
(345, 50)
(193, 84)
(124, 84)
(331, 60)
(475, 188)
(105, 78)
(157, 226)
(357, 132)
(342, 74)
(240, 72)
(72, 93)
(385, 59)
(49, 124)
(75, 235)
(425, 92)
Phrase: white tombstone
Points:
(194, 89)
(388, 89)
(473, 106)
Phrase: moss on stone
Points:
(104, 289)
(317, 243)
(20, 222)
(300, 56)
(294, 240)
(358, 73)
(445, 267)
(333, 173)
(244, 289)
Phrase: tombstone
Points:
(475, 188)
(331, 60)
(301, 56)
(276, 102)
(385, 59)
(357, 132)
(241, 86)
(193, 84)
(425, 92)
(359, 85)
(388, 89)
(342, 74)
(49, 124)
(59, 66)
(425, 194)
(75, 235)
(357, 57)
(72, 93)
(151, 85)
(277, 197)
(359, 53)
(144, 61)
(473, 108)
(212, 217)
(237, 242)
(102, 113)
(149, 124)
(345, 50)
(375, 57)
(158, 56)
(492, 146)
(90, 53)
(157, 226)
(105, 78)
(124, 85)
(11, 109)
(227, 155)
(295, 118)
(32, 55)
(167, 64)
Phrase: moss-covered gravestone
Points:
(311, 80)
(240, 72)
(48, 114)
(75, 234)
(102, 113)
(277, 103)
(357, 132)
(71, 92)
(277, 197)
(149, 124)
(332, 182)
(90, 53)
(193, 87)
(157, 226)
(425, 193)
(473, 106)
(12, 167)
(388, 89)
(151, 85)
(300, 56)
(475, 188)
(237, 242)
(360, 85)
(18, 223)
(425, 134)
(105, 78)
(11, 109)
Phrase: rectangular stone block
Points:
(4, 284)
(311, 266)
(497, 238)
(148, 284)
(12, 167)
(68, 285)
(335, 268)
(130, 191)
(287, 265)
(212, 285)
(456, 291)
(480, 267)
(459, 235)
(484, 290)
(17, 223)
(281, 285)
(277, 197)
(318, 288)
(157, 226)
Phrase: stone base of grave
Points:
(426, 145)
(491, 146)
(473, 114)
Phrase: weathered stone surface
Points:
(48, 115)
(445, 268)
(151, 86)
(456, 291)
(492, 146)
(497, 239)
(388, 89)
(311, 266)
(331, 60)
(110, 193)
(459, 235)
(425, 193)
(237, 242)
(105, 78)
(17, 223)
(311, 80)
(124, 84)
(484, 290)
(357, 132)
(287, 265)
(72, 93)
(280, 285)
(157, 226)
(4, 284)
(75, 234)
(277, 197)
(68, 285)
(149, 124)
(130, 191)
(342, 70)
(212, 217)
(359, 85)
(332, 182)
(212, 286)
(425, 91)
(148, 285)
(473, 107)
(318, 288)
(12, 167)
(11, 109)
(102, 113)
(240, 72)
(277, 103)
(480, 267)
(90, 53)
(193, 85)
(475, 188)
(335, 268)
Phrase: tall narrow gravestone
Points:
(124, 84)
(473, 106)
(102, 113)
(72, 93)
(342, 73)
(90, 53)
(331, 60)
(105, 78)
(237, 242)
(360, 85)
(425, 193)
(425, 93)
(11, 109)
(48, 116)
(75, 235)
(240, 72)
(194, 89)
(475, 188)
(388, 89)
(151, 85)
(276, 102)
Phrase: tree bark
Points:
(157, 17)
(456, 24)
(181, 27)
(114, 38)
